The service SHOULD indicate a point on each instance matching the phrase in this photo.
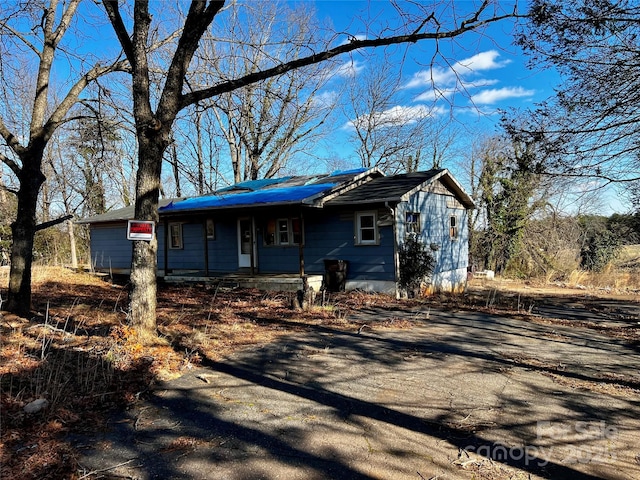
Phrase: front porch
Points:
(287, 282)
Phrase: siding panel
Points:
(223, 251)
(110, 247)
(436, 209)
(331, 236)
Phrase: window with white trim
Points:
(366, 228)
(283, 231)
(412, 223)
(175, 235)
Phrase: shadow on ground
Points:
(457, 395)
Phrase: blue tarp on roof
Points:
(266, 191)
(354, 171)
(254, 185)
(270, 195)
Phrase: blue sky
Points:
(487, 64)
(471, 77)
(475, 76)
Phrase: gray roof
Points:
(120, 214)
(397, 188)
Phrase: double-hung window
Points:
(283, 231)
(366, 228)
(211, 229)
(175, 236)
(412, 224)
(453, 227)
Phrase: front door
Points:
(245, 242)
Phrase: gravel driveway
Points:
(458, 395)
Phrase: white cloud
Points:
(400, 115)
(436, 94)
(480, 83)
(325, 99)
(349, 69)
(481, 62)
(396, 116)
(349, 39)
(441, 76)
(493, 95)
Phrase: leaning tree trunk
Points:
(23, 231)
(142, 301)
(72, 245)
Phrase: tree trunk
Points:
(142, 301)
(176, 170)
(23, 231)
(72, 243)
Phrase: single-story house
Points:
(342, 228)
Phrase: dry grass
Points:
(80, 355)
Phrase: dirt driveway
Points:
(458, 395)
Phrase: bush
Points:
(600, 248)
(416, 265)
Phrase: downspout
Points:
(396, 258)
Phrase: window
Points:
(453, 227)
(367, 231)
(175, 235)
(412, 223)
(211, 229)
(283, 231)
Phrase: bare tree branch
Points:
(354, 44)
(52, 223)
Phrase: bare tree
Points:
(155, 116)
(36, 29)
(265, 123)
(387, 135)
(591, 127)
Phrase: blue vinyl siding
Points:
(191, 255)
(277, 258)
(329, 234)
(332, 236)
(223, 251)
(160, 237)
(435, 212)
(110, 247)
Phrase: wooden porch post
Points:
(206, 247)
(165, 252)
(252, 246)
(301, 245)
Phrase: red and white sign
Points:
(141, 230)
